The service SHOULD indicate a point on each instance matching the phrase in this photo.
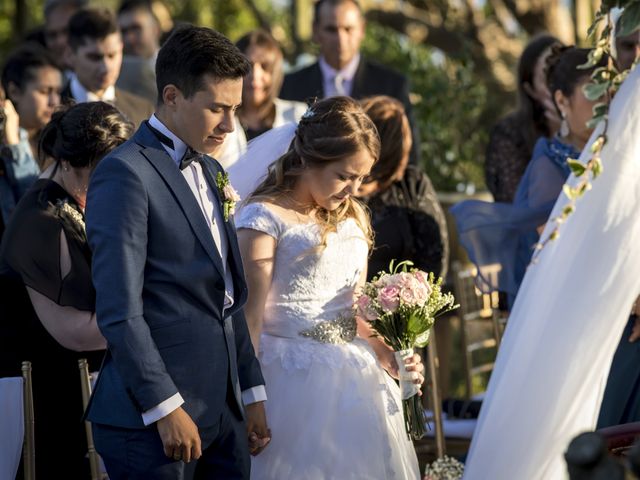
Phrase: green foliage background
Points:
(448, 105)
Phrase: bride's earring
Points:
(564, 125)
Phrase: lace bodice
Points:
(308, 286)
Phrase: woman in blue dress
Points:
(506, 234)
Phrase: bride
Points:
(333, 411)
(568, 318)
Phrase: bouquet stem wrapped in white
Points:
(401, 307)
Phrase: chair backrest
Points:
(477, 307)
(16, 424)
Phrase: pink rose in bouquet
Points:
(388, 298)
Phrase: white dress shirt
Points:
(213, 215)
(346, 75)
(81, 94)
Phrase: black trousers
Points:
(137, 454)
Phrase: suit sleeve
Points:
(249, 373)
(116, 218)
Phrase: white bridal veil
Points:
(252, 166)
(567, 320)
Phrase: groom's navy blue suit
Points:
(160, 288)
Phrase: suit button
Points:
(220, 285)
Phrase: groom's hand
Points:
(258, 434)
(180, 437)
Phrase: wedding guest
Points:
(32, 82)
(140, 29)
(339, 29)
(261, 108)
(406, 216)
(95, 55)
(512, 139)
(507, 233)
(180, 392)
(56, 22)
(47, 298)
(333, 410)
(141, 34)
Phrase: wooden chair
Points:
(17, 425)
(432, 396)
(479, 309)
(85, 385)
(29, 447)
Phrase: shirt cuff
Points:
(162, 410)
(254, 395)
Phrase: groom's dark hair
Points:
(192, 52)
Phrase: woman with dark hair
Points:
(32, 83)
(261, 108)
(407, 219)
(48, 302)
(512, 138)
(507, 233)
(333, 410)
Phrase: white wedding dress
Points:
(567, 320)
(333, 412)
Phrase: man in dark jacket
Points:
(95, 54)
(339, 28)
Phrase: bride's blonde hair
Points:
(329, 131)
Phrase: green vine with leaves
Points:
(605, 81)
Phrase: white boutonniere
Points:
(228, 194)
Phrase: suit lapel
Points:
(234, 259)
(359, 79)
(315, 81)
(170, 173)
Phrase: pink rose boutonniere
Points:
(228, 194)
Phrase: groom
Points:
(180, 393)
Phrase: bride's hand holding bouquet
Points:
(401, 307)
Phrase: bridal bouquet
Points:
(401, 307)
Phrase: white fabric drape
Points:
(572, 307)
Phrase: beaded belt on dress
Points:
(340, 331)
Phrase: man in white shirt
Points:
(95, 55)
(181, 381)
(339, 29)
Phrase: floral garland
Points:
(605, 81)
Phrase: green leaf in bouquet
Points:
(417, 324)
(423, 339)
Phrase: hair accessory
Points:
(308, 114)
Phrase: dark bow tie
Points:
(190, 155)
